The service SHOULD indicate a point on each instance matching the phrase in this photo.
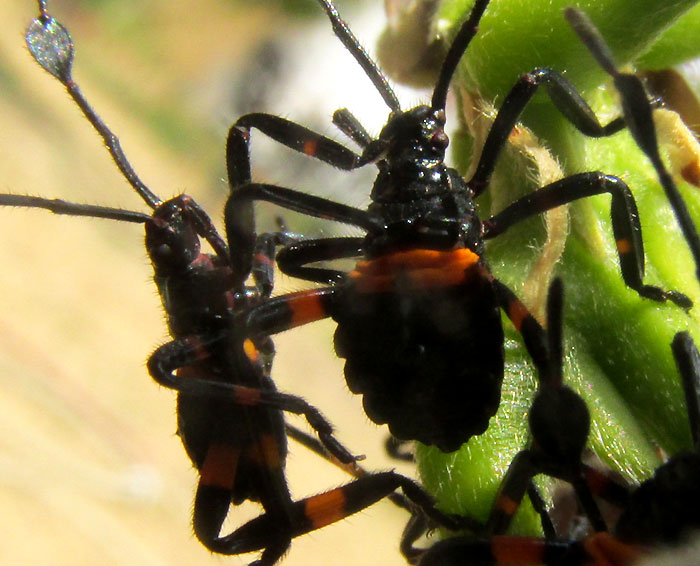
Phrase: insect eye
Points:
(439, 139)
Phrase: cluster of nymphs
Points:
(418, 321)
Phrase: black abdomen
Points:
(428, 360)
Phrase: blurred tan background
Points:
(90, 468)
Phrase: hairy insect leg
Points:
(564, 96)
(288, 133)
(326, 508)
(638, 117)
(239, 215)
(294, 258)
(625, 222)
(166, 362)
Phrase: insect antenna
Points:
(348, 39)
(457, 49)
(52, 47)
(60, 206)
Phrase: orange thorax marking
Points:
(424, 268)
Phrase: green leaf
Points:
(677, 44)
(515, 37)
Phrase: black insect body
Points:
(418, 318)
(425, 326)
(663, 510)
(230, 415)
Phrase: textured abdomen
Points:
(428, 360)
